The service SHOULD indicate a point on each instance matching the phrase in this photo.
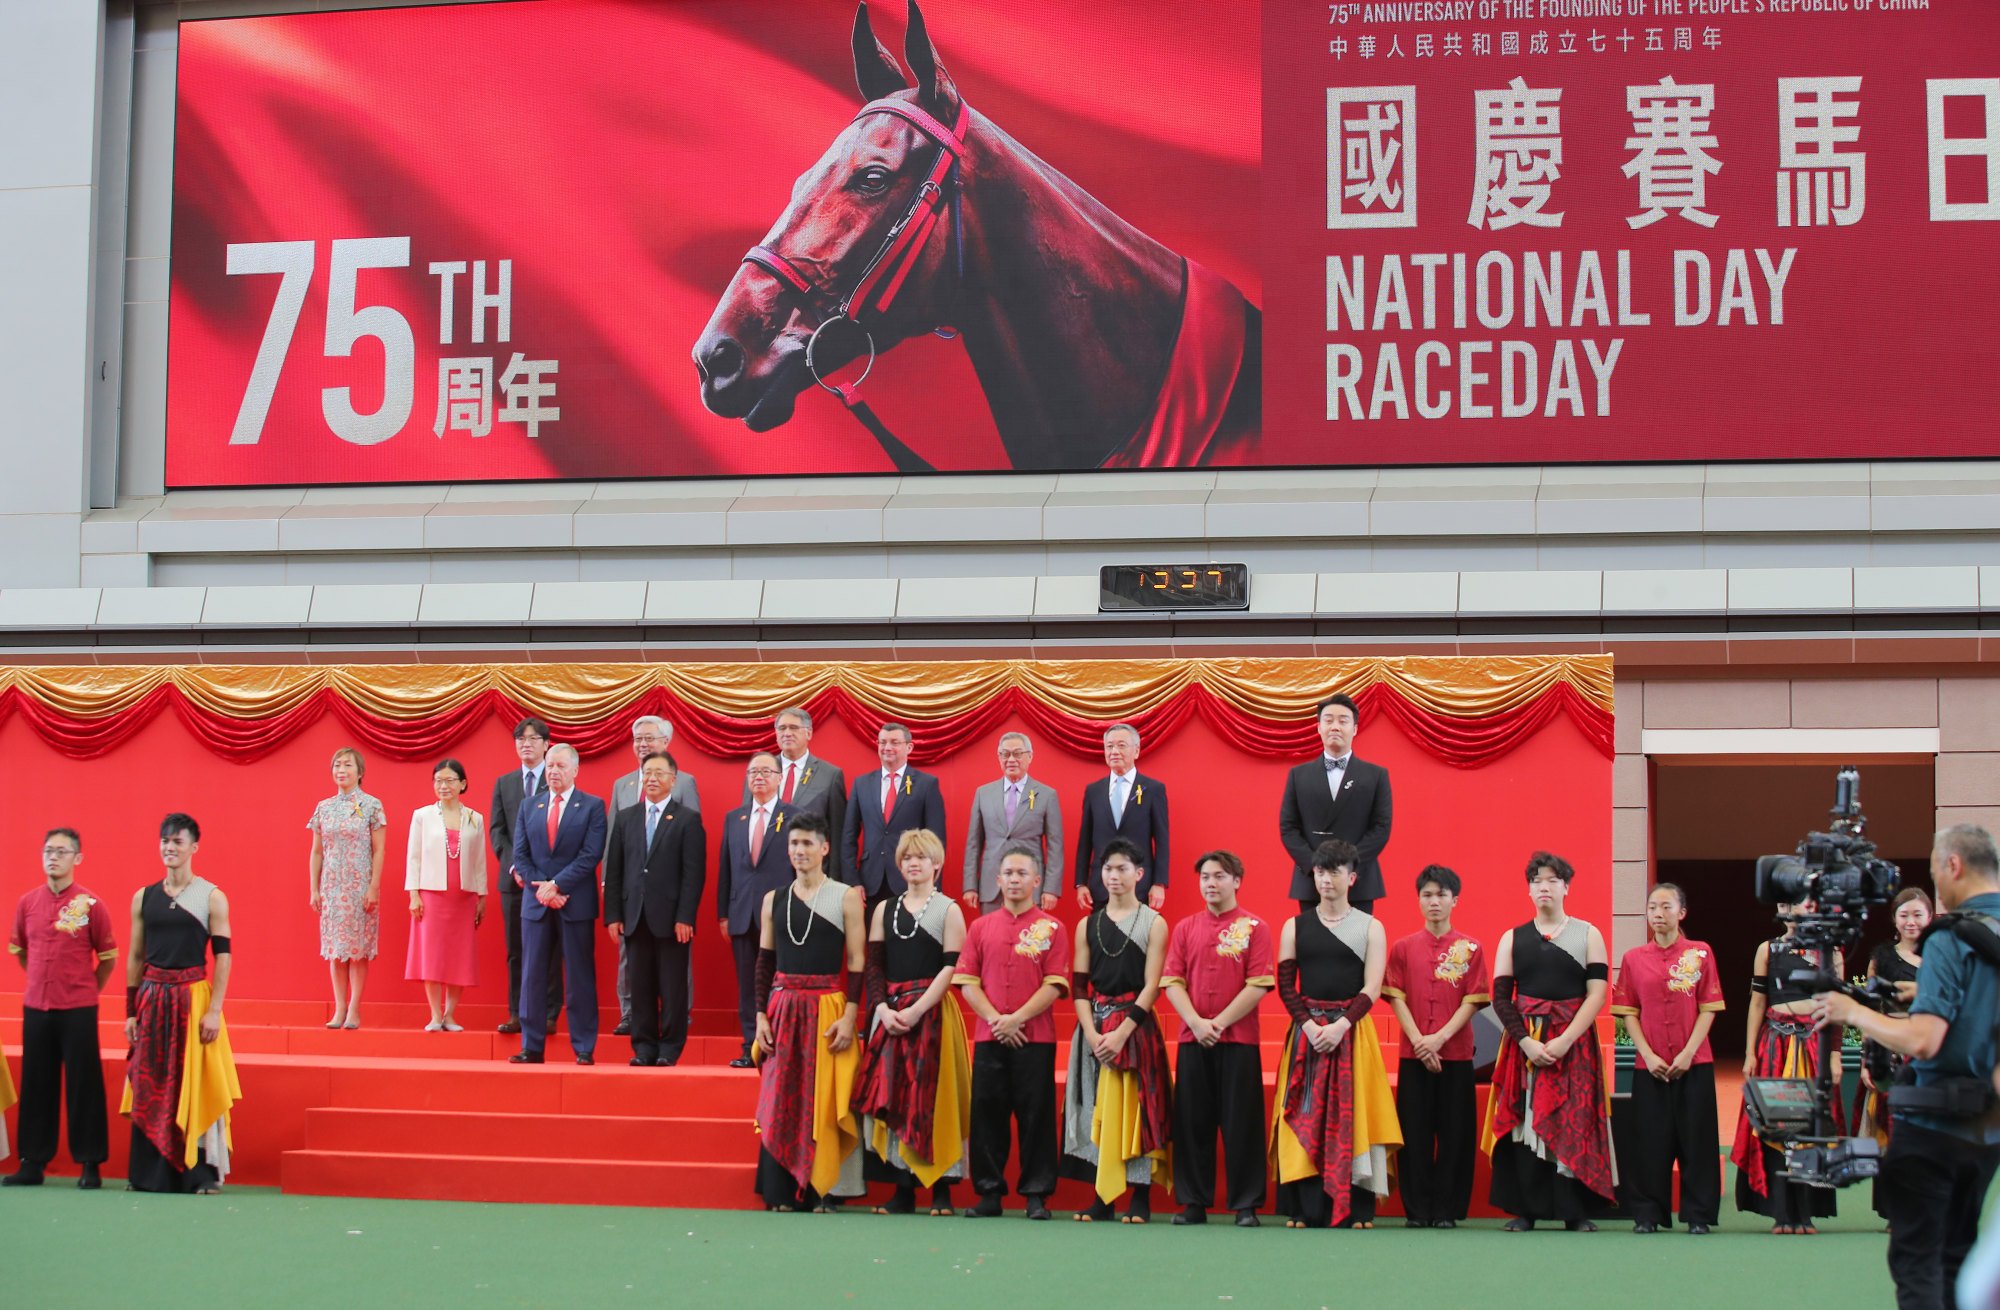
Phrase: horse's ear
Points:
(935, 89)
(876, 71)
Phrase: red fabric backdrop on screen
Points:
(1554, 791)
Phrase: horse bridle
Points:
(882, 278)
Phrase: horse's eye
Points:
(871, 181)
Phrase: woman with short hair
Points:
(344, 882)
(446, 878)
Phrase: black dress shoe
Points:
(1445, 1223)
(1416, 1223)
(1248, 1219)
(743, 1062)
(586, 1058)
(1190, 1214)
(1645, 1228)
(1037, 1208)
(1579, 1226)
(25, 1176)
(624, 1028)
(511, 1027)
(1697, 1230)
(90, 1180)
(988, 1207)
(525, 1057)
(640, 1062)
(667, 1061)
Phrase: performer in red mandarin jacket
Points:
(1437, 979)
(1669, 994)
(1220, 964)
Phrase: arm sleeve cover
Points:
(1288, 991)
(218, 946)
(1599, 972)
(1079, 984)
(1504, 1010)
(1358, 1008)
(875, 980)
(950, 959)
(856, 983)
(131, 1002)
(767, 971)
(1761, 984)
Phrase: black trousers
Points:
(1439, 1115)
(1529, 1187)
(1013, 1087)
(743, 945)
(1932, 1187)
(1673, 1123)
(510, 911)
(1308, 1200)
(658, 968)
(1783, 1203)
(61, 1069)
(1219, 1090)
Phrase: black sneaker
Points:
(988, 1207)
(1643, 1227)
(1697, 1230)
(25, 1176)
(90, 1181)
(1248, 1219)
(1190, 1214)
(1038, 1208)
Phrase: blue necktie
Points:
(652, 822)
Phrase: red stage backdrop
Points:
(1544, 781)
(484, 241)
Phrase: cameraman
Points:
(1940, 1160)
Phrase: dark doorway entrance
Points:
(1713, 816)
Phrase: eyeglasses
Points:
(763, 773)
(1015, 755)
(53, 851)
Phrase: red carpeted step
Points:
(512, 1178)
(681, 1140)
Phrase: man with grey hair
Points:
(1016, 810)
(1126, 804)
(808, 784)
(650, 733)
(1944, 1143)
(559, 837)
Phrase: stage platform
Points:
(390, 1110)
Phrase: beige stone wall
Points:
(1964, 708)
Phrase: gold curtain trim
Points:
(1273, 689)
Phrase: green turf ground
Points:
(257, 1247)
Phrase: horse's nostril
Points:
(720, 363)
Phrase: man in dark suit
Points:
(559, 837)
(809, 784)
(531, 743)
(654, 870)
(750, 860)
(882, 807)
(650, 733)
(1336, 795)
(1126, 804)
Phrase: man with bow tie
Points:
(882, 807)
(559, 837)
(1338, 795)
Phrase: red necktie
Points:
(790, 771)
(555, 818)
(888, 797)
(757, 836)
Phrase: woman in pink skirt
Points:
(446, 880)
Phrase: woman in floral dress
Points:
(344, 883)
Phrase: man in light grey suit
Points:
(809, 784)
(1014, 810)
(650, 733)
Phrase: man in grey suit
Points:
(650, 733)
(1016, 810)
(809, 784)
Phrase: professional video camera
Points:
(1830, 883)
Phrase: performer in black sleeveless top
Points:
(172, 1007)
(1781, 1044)
(1548, 1124)
(914, 1089)
(812, 930)
(1335, 1123)
(1118, 1105)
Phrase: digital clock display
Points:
(1123, 588)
